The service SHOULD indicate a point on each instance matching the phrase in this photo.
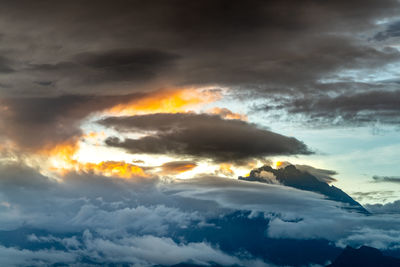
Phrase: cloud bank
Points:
(102, 220)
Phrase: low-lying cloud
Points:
(85, 216)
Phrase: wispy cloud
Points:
(386, 179)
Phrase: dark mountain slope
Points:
(291, 176)
(364, 257)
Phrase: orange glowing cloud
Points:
(278, 164)
(227, 114)
(175, 167)
(113, 168)
(167, 101)
(93, 135)
(61, 155)
(61, 161)
(281, 164)
(64, 157)
(226, 169)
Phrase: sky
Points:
(113, 110)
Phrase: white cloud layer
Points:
(101, 220)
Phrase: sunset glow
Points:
(199, 133)
(167, 101)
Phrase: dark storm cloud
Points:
(201, 135)
(386, 179)
(49, 120)
(60, 66)
(272, 45)
(128, 64)
(111, 65)
(120, 59)
(347, 109)
(92, 48)
(114, 68)
(5, 65)
(45, 83)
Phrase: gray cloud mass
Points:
(201, 135)
(268, 49)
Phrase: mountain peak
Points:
(303, 180)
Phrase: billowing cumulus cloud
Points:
(12, 256)
(391, 207)
(201, 135)
(101, 220)
(111, 222)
